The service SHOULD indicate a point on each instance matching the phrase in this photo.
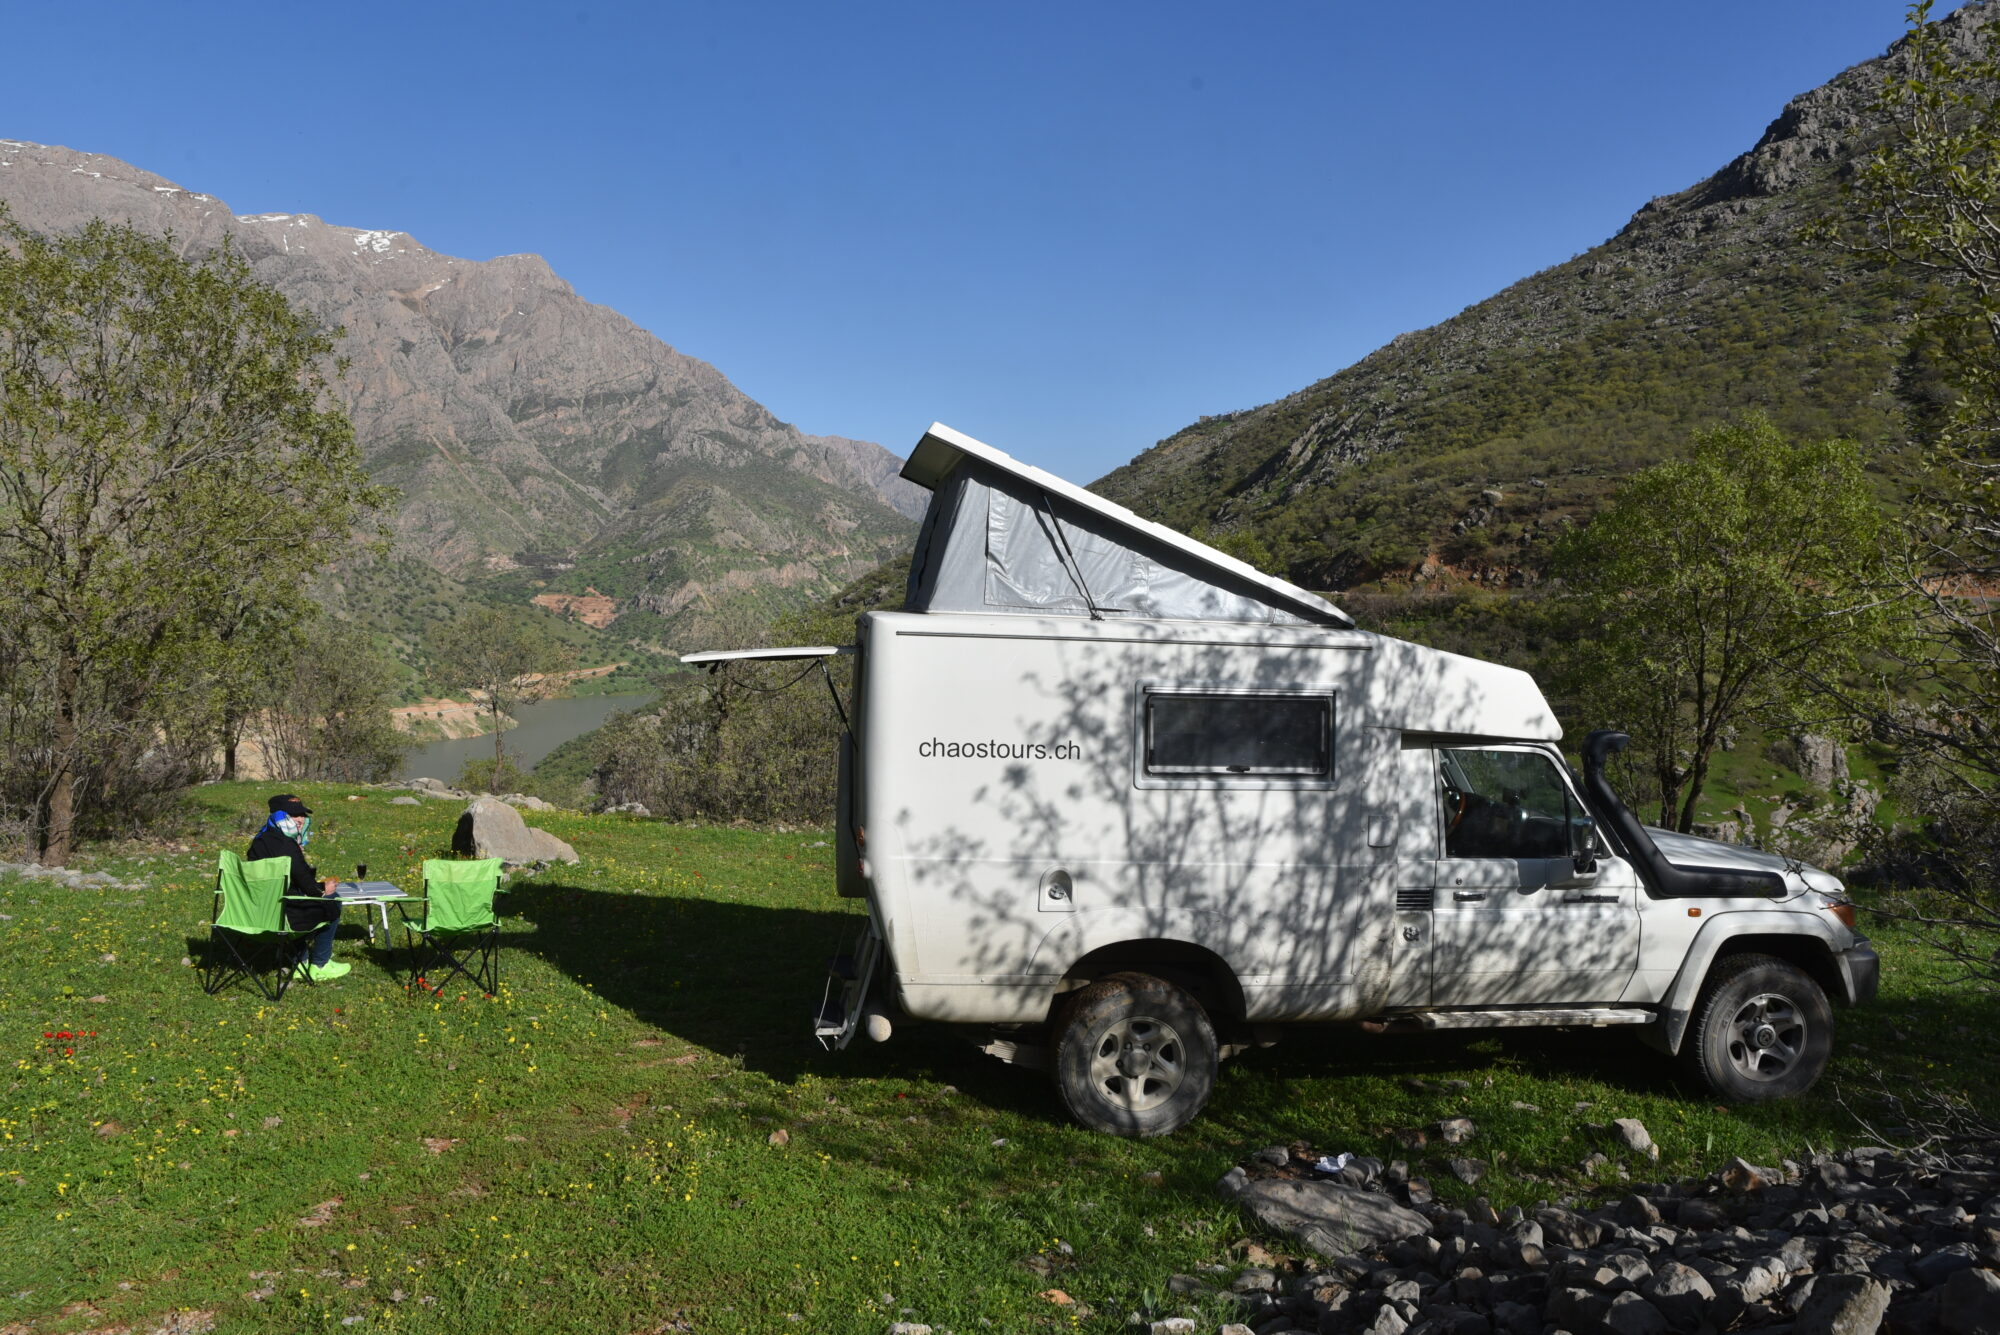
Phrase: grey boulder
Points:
(527, 802)
(492, 829)
(1681, 1293)
(1331, 1219)
(1632, 1134)
(1629, 1314)
(1969, 1303)
(1843, 1305)
(406, 801)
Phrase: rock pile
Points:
(1845, 1244)
(437, 788)
(75, 880)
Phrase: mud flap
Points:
(848, 979)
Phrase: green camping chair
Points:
(458, 935)
(249, 937)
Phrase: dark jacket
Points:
(271, 842)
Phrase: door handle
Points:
(1463, 895)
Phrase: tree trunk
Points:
(1697, 777)
(232, 728)
(1670, 787)
(493, 782)
(59, 834)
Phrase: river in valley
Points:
(543, 727)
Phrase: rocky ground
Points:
(1843, 1244)
(75, 880)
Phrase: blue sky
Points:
(1067, 229)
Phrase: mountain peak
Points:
(531, 432)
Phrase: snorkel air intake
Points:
(1662, 877)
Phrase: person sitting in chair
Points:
(285, 835)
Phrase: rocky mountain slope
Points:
(534, 435)
(1456, 451)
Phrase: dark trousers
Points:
(326, 917)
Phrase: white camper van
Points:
(1119, 804)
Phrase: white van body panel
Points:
(1002, 749)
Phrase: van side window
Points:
(1189, 733)
(1503, 804)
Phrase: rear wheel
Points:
(1762, 1029)
(1135, 1056)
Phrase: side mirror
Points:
(1584, 845)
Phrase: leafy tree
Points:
(324, 711)
(507, 658)
(253, 649)
(1926, 200)
(503, 776)
(1695, 599)
(749, 741)
(164, 444)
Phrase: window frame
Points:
(1144, 776)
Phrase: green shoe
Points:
(329, 970)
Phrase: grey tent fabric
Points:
(995, 542)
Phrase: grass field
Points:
(598, 1147)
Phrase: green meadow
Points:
(637, 1134)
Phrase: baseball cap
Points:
(290, 805)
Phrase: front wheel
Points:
(1761, 1030)
(1135, 1056)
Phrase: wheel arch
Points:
(1797, 938)
(1195, 969)
(1809, 953)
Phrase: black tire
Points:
(1135, 1056)
(1761, 1030)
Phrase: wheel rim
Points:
(1767, 1037)
(1138, 1063)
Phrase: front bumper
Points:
(1860, 973)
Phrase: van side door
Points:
(1515, 922)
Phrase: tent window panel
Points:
(1289, 735)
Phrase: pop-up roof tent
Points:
(1001, 536)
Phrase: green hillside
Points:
(1705, 305)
